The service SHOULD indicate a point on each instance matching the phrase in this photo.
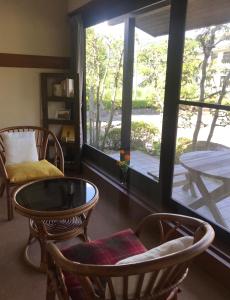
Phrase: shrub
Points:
(136, 104)
(156, 149)
(113, 141)
(142, 134)
(182, 144)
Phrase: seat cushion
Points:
(20, 147)
(167, 248)
(27, 171)
(106, 251)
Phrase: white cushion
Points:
(165, 249)
(20, 147)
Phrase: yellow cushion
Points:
(27, 171)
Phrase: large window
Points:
(105, 83)
(201, 171)
(134, 56)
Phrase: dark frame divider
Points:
(84, 106)
(172, 94)
(129, 40)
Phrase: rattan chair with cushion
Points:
(120, 267)
(24, 157)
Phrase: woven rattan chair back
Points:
(43, 138)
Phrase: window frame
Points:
(162, 191)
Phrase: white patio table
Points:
(211, 164)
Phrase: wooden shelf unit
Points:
(52, 103)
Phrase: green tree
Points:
(208, 40)
(151, 66)
(104, 58)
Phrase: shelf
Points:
(52, 104)
(57, 121)
(63, 142)
(60, 99)
(67, 143)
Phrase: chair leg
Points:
(2, 189)
(173, 294)
(50, 293)
(9, 203)
(189, 185)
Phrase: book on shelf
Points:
(67, 133)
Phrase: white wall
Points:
(74, 4)
(29, 27)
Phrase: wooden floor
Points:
(113, 212)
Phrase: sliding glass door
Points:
(125, 83)
(152, 92)
(202, 160)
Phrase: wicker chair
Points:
(70, 277)
(43, 137)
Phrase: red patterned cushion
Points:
(107, 251)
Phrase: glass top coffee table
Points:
(58, 209)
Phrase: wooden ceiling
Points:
(199, 14)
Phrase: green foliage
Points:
(145, 103)
(113, 141)
(191, 68)
(156, 148)
(141, 134)
(104, 51)
(151, 66)
(181, 146)
(136, 104)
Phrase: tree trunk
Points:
(207, 52)
(216, 114)
(112, 111)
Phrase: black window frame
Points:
(162, 190)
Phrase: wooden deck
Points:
(149, 166)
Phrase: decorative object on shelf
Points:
(63, 115)
(124, 165)
(67, 87)
(67, 133)
(57, 90)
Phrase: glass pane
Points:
(151, 46)
(201, 170)
(104, 64)
(206, 67)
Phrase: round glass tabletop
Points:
(57, 194)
